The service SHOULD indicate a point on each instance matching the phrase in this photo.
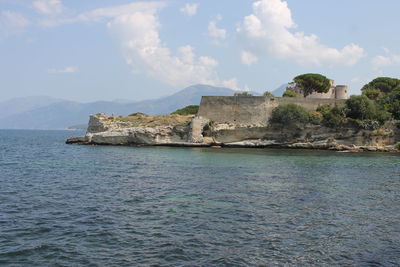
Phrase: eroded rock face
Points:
(138, 136)
(105, 130)
(196, 129)
(308, 137)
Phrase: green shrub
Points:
(395, 110)
(333, 117)
(391, 103)
(397, 146)
(268, 94)
(136, 113)
(289, 114)
(362, 108)
(288, 93)
(242, 94)
(324, 109)
(368, 124)
(333, 120)
(316, 117)
(340, 110)
(188, 110)
(382, 116)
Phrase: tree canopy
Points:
(379, 87)
(362, 108)
(268, 94)
(312, 82)
(288, 93)
(385, 91)
(391, 102)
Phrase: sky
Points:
(85, 50)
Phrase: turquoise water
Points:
(66, 205)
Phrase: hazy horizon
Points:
(102, 100)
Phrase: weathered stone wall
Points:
(252, 110)
(342, 92)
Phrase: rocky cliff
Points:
(176, 130)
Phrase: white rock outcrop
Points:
(106, 130)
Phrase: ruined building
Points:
(335, 92)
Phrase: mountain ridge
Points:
(53, 113)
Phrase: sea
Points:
(71, 205)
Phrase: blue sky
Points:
(88, 50)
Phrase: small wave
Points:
(26, 251)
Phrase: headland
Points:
(245, 121)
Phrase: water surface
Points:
(68, 205)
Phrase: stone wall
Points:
(252, 110)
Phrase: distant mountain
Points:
(280, 90)
(51, 113)
(188, 96)
(22, 104)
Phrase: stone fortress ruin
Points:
(335, 92)
(241, 121)
(256, 110)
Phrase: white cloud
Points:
(146, 53)
(48, 7)
(11, 22)
(69, 69)
(214, 31)
(390, 60)
(136, 27)
(190, 9)
(115, 11)
(248, 58)
(100, 14)
(268, 32)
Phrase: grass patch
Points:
(140, 119)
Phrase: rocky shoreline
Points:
(200, 132)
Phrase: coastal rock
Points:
(137, 136)
(196, 129)
(253, 143)
(78, 140)
(107, 130)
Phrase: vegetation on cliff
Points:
(379, 103)
(386, 93)
(362, 108)
(188, 110)
(391, 103)
(289, 114)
